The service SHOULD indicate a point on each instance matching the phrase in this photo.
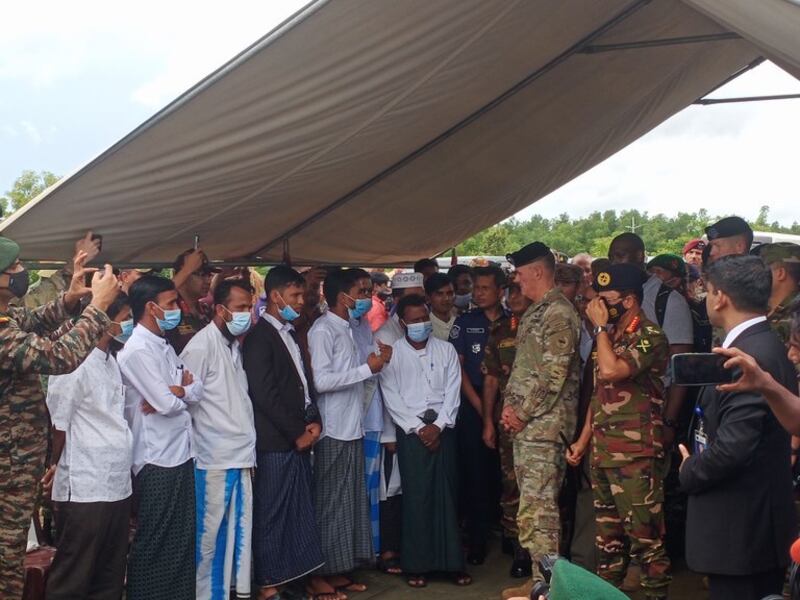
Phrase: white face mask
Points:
(240, 323)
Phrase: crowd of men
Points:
(279, 435)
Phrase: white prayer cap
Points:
(406, 280)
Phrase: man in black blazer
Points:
(741, 518)
(286, 543)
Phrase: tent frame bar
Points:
(676, 41)
(409, 158)
(712, 101)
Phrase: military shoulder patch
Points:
(644, 345)
(455, 331)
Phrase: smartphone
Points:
(701, 368)
(196, 241)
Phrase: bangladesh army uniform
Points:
(190, 324)
(26, 353)
(498, 359)
(626, 448)
(543, 391)
(50, 286)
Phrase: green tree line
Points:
(593, 233)
(26, 187)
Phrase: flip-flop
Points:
(416, 581)
(350, 586)
(387, 564)
(460, 578)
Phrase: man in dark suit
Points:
(741, 518)
(286, 543)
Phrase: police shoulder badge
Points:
(455, 331)
(603, 279)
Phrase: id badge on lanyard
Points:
(700, 437)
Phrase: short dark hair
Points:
(436, 282)
(629, 238)
(282, 276)
(457, 271)
(423, 263)
(493, 271)
(792, 270)
(223, 290)
(118, 305)
(337, 282)
(360, 274)
(379, 278)
(746, 280)
(566, 273)
(408, 301)
(146, 289)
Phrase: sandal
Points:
(390, 566)
(461, 578)
(416, 580)
(348, 585)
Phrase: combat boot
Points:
(522, 565)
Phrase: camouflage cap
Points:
(9, 253)
(671, 262)
(778, 252)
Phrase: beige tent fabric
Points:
(375, 131)
(772, 25)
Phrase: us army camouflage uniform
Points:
(47, 289)
(497, 361)
(626, 445)
(26, 352)
(780, 319)
(543, 391)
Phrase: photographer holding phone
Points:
(741, 518)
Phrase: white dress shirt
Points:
(285, 331)
(149, 366)
(89, 405)
(339, 377)
(441, 329)
(373, 404)
(391, 331)
(417, 380)
(222, 422)
(741, 327)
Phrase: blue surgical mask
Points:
(419, 332)
(362, 307)
(288, 313)
(127, 330)
(171, 320)
(462, 300)
(240, 323)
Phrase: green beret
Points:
(621, 278)
(778, 252)
(671, 262)
(9, 253)
(571, 581)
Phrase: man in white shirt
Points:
(403, 284)
(341, 500)
(439, 292)
(159, 391)
(421, 388)
(92, 446)
(224, 444)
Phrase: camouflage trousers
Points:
(509, 491)
(628, 504)
(18, 489)
(540, 468)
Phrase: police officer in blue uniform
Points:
(479, 467)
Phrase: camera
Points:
(542, 588)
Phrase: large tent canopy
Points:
(379, 131)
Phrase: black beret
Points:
(528, 254)
(621, 278)
(729, 227)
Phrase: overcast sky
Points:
(77, 76)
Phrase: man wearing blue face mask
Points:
(421, 390)
(224, 445)
(286, 542)
(159, 391)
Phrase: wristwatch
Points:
(598, 329)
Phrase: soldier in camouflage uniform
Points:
(540, 401)
(625, 431)
(783, 259)
(26, 352)
(497, 362)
